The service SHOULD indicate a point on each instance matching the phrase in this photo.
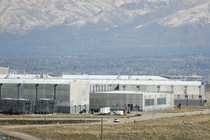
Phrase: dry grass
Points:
(43, 122)
(175, 128)
(184, 109)
(58, 116)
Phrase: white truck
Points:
(118, 112)
(105, 110)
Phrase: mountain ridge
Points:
(105, 22)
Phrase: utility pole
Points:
(101, 128)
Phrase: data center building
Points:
(84, 93)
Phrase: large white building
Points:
(74, 93)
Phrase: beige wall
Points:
(207, 93)
(4, 70)
(79, 96)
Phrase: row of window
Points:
(151, 102)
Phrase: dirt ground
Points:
(174, 128)
(196, 127)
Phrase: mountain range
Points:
(104, 23)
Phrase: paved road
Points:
(20, 135)
(150, 116)
(126, 119)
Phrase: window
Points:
(123, 87)
(161, 101)
(149, 102)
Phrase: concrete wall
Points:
(79, 96)
(176, 89)
(168, 105)
(128, 87)
(116, 101)
(207, 93)
(131, 101)
(189, 102)
(4, 70)
(102, 87)
(194, 93)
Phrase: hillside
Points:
(112, 23)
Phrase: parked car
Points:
(116, 120)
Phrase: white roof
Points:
(96, 79)
(36, 81)
(112, 77)
(17, 76)
(145, 82)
